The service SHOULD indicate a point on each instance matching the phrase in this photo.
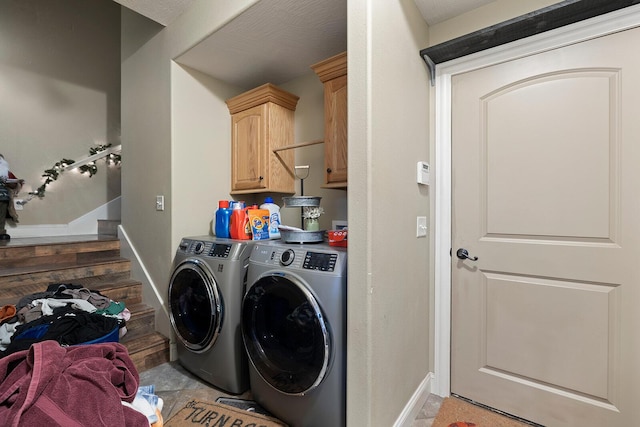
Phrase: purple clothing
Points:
(69, 386)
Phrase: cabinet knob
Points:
(261, 177)
(328, 170)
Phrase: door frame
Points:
(622, 19)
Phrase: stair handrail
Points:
(92, 158)
(87, 164)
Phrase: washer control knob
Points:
(198, 248)
(287, 257)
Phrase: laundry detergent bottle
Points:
(247, 231)
(239, 227)
(223, 219)
(274, 217)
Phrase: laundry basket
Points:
(113, 336)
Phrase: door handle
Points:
(462, 253)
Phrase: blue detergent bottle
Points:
(223, 217)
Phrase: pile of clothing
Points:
(66, 313)
(61, 364)
(83, 385)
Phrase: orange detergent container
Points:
(259, 221)
(239, 227)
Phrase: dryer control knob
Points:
(199, 248)
(287, 257)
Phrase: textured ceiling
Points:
(162, 11)
(433, 11)
(276, 41)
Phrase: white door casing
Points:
(613, 22)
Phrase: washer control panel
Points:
(220, 250)
(198, 248)
(212, 249)
(287, 257)
(303, 258)
(320, 261)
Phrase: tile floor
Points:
(428, 411)
(170, 379)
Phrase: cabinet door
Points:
(335, 138)
(248, 149)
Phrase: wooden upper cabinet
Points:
(333, 74)
(262, 120)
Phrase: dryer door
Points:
(195, 305)
(285, 334)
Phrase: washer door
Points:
(195, 305)
(285, 334)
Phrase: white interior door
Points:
(546, 193)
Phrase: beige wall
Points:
(177, 131)
(388, 296)
(485, 16)
(389, 305)
(59, 96)
(175, 134)
(388, 268)
(309, 125)
(151, 134)
(201, 149)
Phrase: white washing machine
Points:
(294, 330)
(205, 296)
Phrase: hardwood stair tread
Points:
(145, 342)
(141, 323)
(15, 271)
(56, 240)
(40, 246)
(30, 265)
(125, 290)
(65, 274)
(148, 351)
(140, 309)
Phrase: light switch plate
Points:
(159, 203)
(421, 226)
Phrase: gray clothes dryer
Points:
(205, 296)
(294, 330)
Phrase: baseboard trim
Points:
(151, 295)
(417, 401)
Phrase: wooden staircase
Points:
(29, 265)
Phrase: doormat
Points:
(245, 405)
(456, 412)
(197, 412)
